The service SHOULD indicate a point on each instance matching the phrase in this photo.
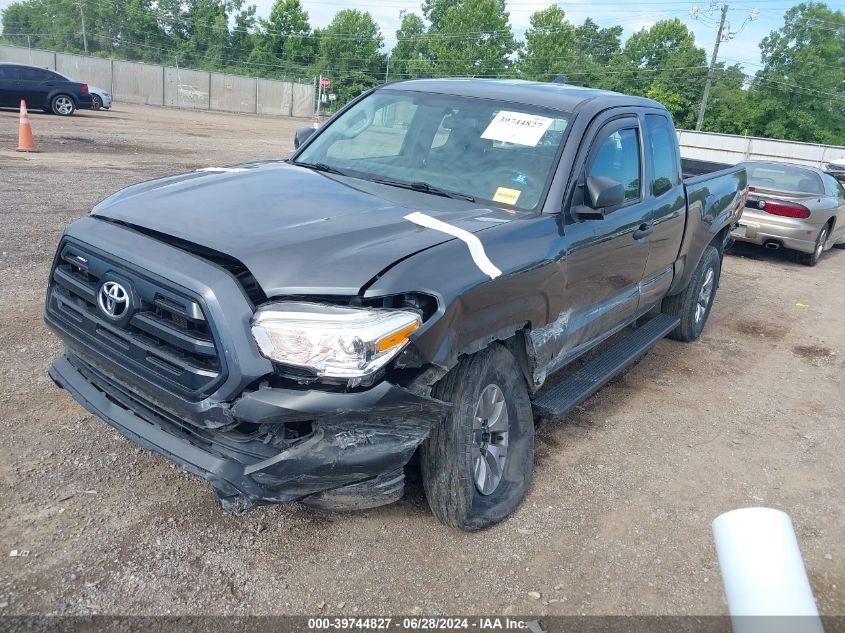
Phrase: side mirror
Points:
(302, 135)
(602, 193)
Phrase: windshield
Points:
(784, 178)
(478, 149)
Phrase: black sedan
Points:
(42, 88)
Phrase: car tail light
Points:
(84, 87)
(785, 209)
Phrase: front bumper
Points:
(352, 457)
(759, 228)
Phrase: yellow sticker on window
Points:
(508, 196)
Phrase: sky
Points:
(633, 16)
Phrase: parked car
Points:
(42, 88)
(101, 98)
(836, 169)
(792, 206)
(412, 276)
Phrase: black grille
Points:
(166, 338)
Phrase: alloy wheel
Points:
(704, 295)
(490, 439)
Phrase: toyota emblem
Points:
(113, 299)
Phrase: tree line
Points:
(798, 92)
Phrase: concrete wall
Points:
(274, 97)
(138, 83)
(150, 84)
(90, 70)
(35, 57)
(303, 100)
(231, 93)
(730, 149)
(185, 88)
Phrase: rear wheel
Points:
(478, 462)
(811, 259)
(63, 105)
(692, 305)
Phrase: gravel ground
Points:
(618, 518)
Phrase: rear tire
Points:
(811, 259)
(692, 305)
(63, 105)
(478, 461)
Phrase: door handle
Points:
(644, 230)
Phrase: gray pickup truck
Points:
(417, 278)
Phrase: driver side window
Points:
(618, 158)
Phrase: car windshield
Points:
(476, 149)
(784, 178)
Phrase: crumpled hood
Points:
(297, 231)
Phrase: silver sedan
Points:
(792, 206)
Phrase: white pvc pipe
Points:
(763, 572)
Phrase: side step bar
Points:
(564, 396)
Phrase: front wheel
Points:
(97, 103)
(478, 462)
(692, 305)
(63, 105)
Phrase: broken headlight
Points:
(332, 341)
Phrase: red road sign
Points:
(325, 83)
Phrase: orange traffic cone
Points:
(25, 141)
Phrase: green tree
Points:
(799, 92)
(412, 56)
(730, 108)
(285, 40)
(597, 49)
(550, 48)
(435, 12)
(350, 53)
(474, 40)
(664, 60)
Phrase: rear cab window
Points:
(662, 145)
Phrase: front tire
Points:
(478, 462)
(692, 305)
(63, 105)
(97, 103)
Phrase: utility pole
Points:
(84, 34)
(387, 70)
(712, 68)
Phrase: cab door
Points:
(604, 273)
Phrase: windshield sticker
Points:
(508, 196)
(518, 128)
(476, 248)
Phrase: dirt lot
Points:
(618, 519)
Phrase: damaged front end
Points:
(269, 400)
(340, 451)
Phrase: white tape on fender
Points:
(476, 248)
(223, 170)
